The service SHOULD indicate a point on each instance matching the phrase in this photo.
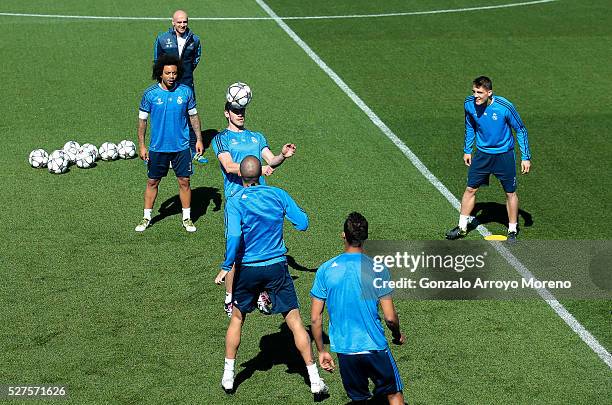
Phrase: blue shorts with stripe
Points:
(159, 163)
(377, 365)
(274, 278)
(502, 165)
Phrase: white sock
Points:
(147, 213)
(512, 227)
(229, 365)
(463, 221)
(186, 213)
(313, 373)
(228, 297)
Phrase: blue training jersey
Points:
(490, 126)
(346, 283)
(254, 219)
(167, 110)
(239, 145)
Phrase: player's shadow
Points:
(296, 266)
(276, 349)
(487, 212)
(201, 198)
(207, 136)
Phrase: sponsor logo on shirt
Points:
(254, 140)
(168, 43)
(159, 101)
(234, 141)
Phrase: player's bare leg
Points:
(302, 342)
(512, 205)
(184, 191)
(185, 197)
(468, 201)
(150, 195)
(232, 342)
(396, 399)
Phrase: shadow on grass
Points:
(296, 266)
(487, 212)
(201, 198)
(276, 349)
(207, 136)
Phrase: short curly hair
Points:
(355, 229)
(166, 60)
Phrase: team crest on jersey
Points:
(179, 100)
(254, 140)
(494, 117)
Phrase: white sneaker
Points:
(320, 388)
(227, 382)
(188, 225)
(264, 304)
(144, 224)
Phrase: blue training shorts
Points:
(249, 281)
(502, 165)
(159, 163)
(378, 365)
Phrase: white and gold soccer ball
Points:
(38, 158)
(126, 149)
(239, 95)
(58, 162)
(72, 149)
(91, 149)
(108, 151)
(85, 159)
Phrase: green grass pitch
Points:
(121, 317)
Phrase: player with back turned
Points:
(346, 284)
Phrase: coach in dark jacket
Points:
(182, 43)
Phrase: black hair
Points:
(166, 60)
(355, 229)
(483, 81)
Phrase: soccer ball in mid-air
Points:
(239, 95)
(38, 158)
(72, 149)
(108, 151)
(85, 159)
(91, 149)
(58, 162)
(126, 149)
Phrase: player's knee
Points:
(152, 183)
(470, 190)
(183, 182)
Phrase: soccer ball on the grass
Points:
(85, 159)
(72, 149)
(108, 151)
(126, 149)
(239, 95)
(38, 158)
(91, 149)
(58, 162)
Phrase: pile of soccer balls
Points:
(84, 156)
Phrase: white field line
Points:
(318, 17)
(563, 313)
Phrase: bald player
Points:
(255, 217)
(181, 42)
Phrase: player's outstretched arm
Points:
(392, 320)
(142, 131)
(287, 151)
